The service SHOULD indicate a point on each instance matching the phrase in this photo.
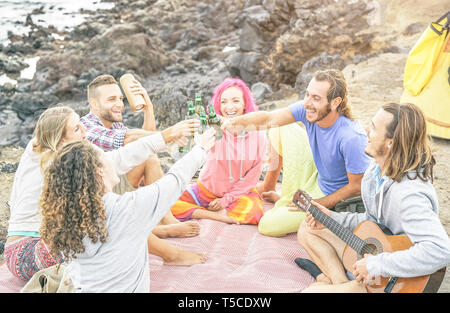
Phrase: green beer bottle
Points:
(198, 102)
(213, 121)
(203, 121)
(190, 115)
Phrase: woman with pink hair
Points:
(225, 190)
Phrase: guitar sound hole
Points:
(371, 246)
(370, 249)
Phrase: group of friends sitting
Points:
(90, 192)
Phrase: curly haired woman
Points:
(103, 235)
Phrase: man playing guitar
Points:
(398, 194)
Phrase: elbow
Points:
(354, 189)
(354, 185)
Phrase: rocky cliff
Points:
(178, 47)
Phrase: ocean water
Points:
(63, 14)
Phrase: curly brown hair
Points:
(71, 201)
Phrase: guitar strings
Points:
(344, 233)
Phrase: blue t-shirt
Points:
(336, 150)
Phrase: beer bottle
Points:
(214, 121)
(137, 102)
(203, 121)
(198, 102)
(190, 115)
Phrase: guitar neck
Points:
(342, 232)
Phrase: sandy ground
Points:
(371, 83)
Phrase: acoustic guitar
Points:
(369, 238)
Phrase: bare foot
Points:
(271, 196)
(220, 216)
(223, 217)
(185, 258)
(180, 230)
(169, 219)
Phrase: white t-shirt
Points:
(121, 263)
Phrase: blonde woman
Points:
(25, 252)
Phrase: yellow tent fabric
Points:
(434, 99)
(422, 58)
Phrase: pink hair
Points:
(250, 105)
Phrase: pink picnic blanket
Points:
(239, 260)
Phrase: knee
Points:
(153, 159)
(267, 228)
(153, 163)
(135, 182)
(263, 227)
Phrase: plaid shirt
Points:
(106, 138)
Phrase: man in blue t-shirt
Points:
(336, 149)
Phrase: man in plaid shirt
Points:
(106, 138)
(105, 129)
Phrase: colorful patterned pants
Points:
(28, 255)
(247, 209)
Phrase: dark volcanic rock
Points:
(178, 47)
(321, 62)
(8, 167)
(286, 34)
(32, 103)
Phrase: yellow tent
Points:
(432, 95)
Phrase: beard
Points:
(380, 151)
(108, 116)
(321, 114)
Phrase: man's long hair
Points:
(338, 88)
(71, 200)
(411, 148)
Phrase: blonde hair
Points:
(101, 80)
(49, 132)
(338, 88)
(411, 149)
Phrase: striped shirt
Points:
(106, 138)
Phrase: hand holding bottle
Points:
(139, 99)
(181, 130)
(136, 89)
